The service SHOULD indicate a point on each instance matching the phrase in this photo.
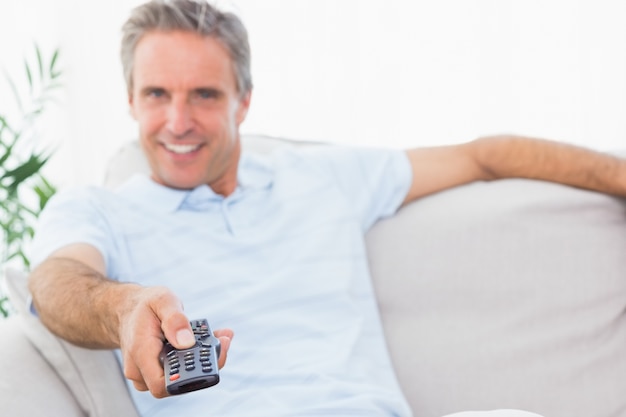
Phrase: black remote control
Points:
(194, 368)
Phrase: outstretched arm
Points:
(77, 302)
(506, 156)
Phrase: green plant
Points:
(24, 190)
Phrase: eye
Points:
(207, 93)
(155, 92)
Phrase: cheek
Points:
(149, 124)
(213, 122)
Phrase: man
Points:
(270, 247)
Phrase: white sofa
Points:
(510, 294)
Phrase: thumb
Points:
(177, 330)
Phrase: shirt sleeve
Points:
(71, 216)
(374, 181)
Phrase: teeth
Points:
(181, 149)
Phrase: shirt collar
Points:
(254, 173)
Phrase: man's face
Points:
(185, 100)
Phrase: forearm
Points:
(79, 304)
(519, 157)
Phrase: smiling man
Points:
(271, 247)
(189, 109)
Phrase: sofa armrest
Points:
(91, 377)
(30, 386)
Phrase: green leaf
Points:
(29, 75)
(44, 191)
(21, 210)
(31, 115)
(53, 61)
(5, 125)
(23, 172)
(9, 149)
(7, 154)
(4, 301)
(39, 61)
(20, 173)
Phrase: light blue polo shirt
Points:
(281, 261)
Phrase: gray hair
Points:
(188, 15)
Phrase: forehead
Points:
(179, 59)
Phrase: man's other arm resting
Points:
(506, 156)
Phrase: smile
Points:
(181, 149)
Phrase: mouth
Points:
(180, 149)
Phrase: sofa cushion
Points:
(509, 294)
(90, 375)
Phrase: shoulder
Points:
(79, 195)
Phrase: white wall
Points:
(382, 73)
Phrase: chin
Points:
(183, 185)
(178, 183)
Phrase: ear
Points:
(131, 105)
(244, 105)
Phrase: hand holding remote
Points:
(152, 314)
(193, 368)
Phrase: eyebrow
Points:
(147, 89)
(211, 90)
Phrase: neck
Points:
(226, 184)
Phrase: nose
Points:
(179, 120)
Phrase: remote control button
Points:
(190, 362)
(174, 377)
(207, 369)
(174, 371)
(190, 367)
(171, 353)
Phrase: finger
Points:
(225, 336)
(224, 332)
(225, 341)
(145, 369)
(140, 386)
(152, 372)
(177, 331)
(132, 373)
(157, 387)
(174, 324)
